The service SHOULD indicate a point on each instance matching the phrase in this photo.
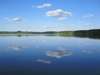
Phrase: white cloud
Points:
(88, 16)
(59, 13)
(45, 5)
(14, 19)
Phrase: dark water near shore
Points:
(49, 55)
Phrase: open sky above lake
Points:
(49, 15)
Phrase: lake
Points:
(49, 55)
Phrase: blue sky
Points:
(49, 15)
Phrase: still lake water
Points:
(49, 55)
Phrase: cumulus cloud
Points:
(45, 5)
(59, 13)
(14, 19)
(88, 16)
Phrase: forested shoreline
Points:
(95, 33)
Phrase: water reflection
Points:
(88, 51)
(59, 53)
(16, 47)
(44, 61)
(49, 54)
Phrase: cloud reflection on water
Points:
(59, 53)
(44, 61)
(16, 47)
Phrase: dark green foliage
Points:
(94, 33)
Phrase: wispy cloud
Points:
(88, 15)
(59, 13)
(14, 19)
(44, 5)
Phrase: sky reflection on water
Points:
(39, 54)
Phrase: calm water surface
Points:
(49, 55)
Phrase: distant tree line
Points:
(94, 33)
